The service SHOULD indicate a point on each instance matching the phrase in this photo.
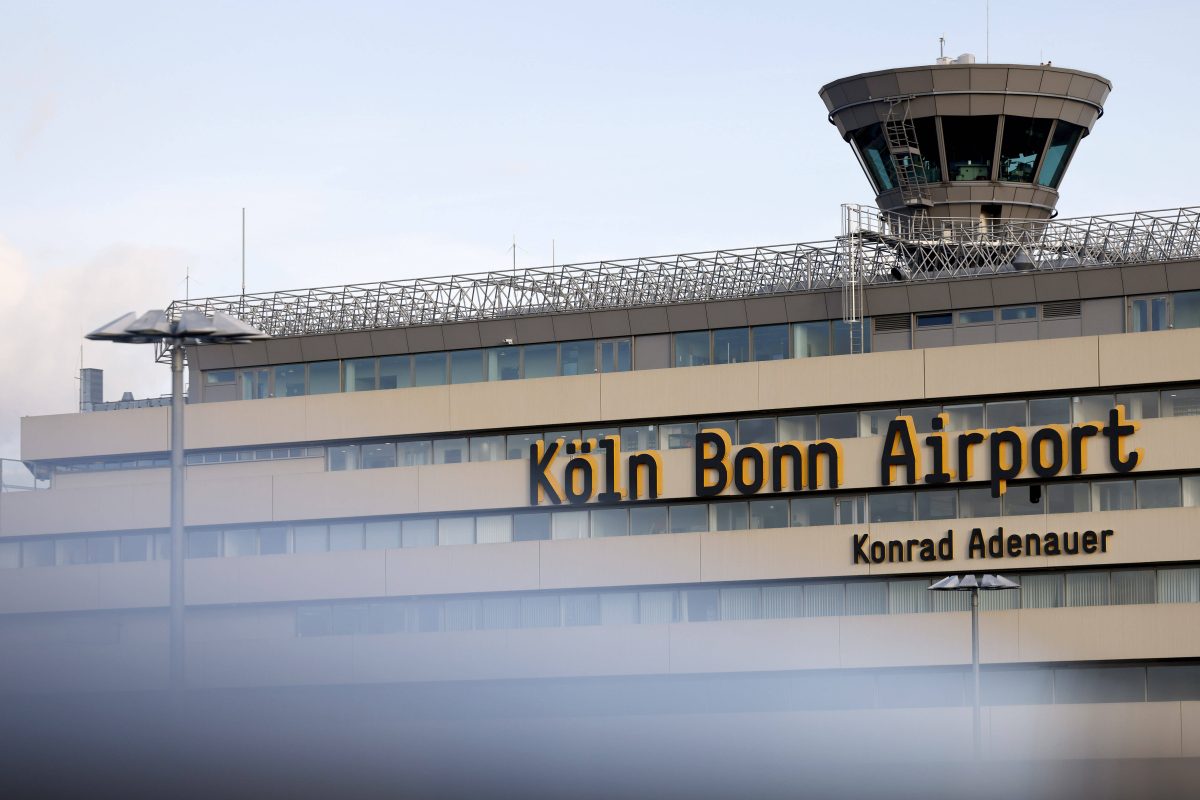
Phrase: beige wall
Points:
(1045, 365)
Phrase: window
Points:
(616, 356)
(1180, 402)
(678, 435)
(873, 150)
(519, 444)
(729, 517)
(970, 144)
(1018, 313)
(37, 553)
(531, 526)
(450, 451)
(1006, 414)
(241, 542)
(891, 506)
(343, 458)
(1187, 310)
(1023, 500)
(851, 337)
(395, 372)
(203, 544)
(813, 511)
(798, 429)
(838, 425)
(255, 384)
(414, 454)
(1068, 498)
(756, 431)
(494, 528)
(1147, 314)
(310, 538)
(731, 346)
(1062, 143)
(927, 142)
(429, 369)
(727, 425)
(466, 366)
(578, 358)
(360, 375)
(324, 377)
(375, 456)
(488, 448)
(289, 380)
(101, 549)
(875, 422)
(977, 502)
(647, 520)
(1091, 408)
(1139, 405)
(771, 341)
(942, 504)
(965, 417)
(1050, 411)
(938, 320)
(768, 514)
(976, 316)
(810, 339)
(419, 533)
(1158, 493)
(272, 541)
(10, 555)
(345, 536)
(691, 518)
(1087, 589)
(1021, 147)
(218, 377)
(503, 363)
(541, 360)
(692, 349)
(639, 437)
(569, 524)
(1041, 591)
(456, 530)
(1113, 496)
(609, 522)
(136, 547)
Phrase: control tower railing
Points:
(884, 248)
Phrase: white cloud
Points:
(44, 313)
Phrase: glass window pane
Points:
(851, 509)
(838, 425)
(413, 454)
(289, 380)
(494, 528)
(930, 162)
(37, 553)
(1187, 310)
(639, 437)
(1062, 142)
(729, 516)
(599, 433)
(1006, 414)
(346, 536)
(940, 504)
(909, 596)
(456, 530)
(1050, 411)
(1132, 586)
(768, 514)
(965, 417)
(578, 358)
(10, 555)
(531, 526)
(845, 334)
(784, 601)
(503, 363)
(618, 608)
(727, 425)
(814, 511)
(488, 448)
(740, 602)
(1041, 591)
(449, 451)
(938, 319)
(691, 349)
(1179, 585)
(1068, 498)
(922, 417)
(1191, 490)
(73, 551)
(519, 444)
(204, 544)
(1158, 493)
(1018, 501)
(875, 422)
(866, 597)
(976, 316)
(581, 609)
(379, 455)
(569, 524)
(466, 366)
(1113, 495)
(136, 547)
(1180, 402)
(970, 144)
(216, 377)
(1087, 589)
(1139, 405)
(360, 374)
(890, 506)
(700, 605)
(1147, 314)
(1091, 408)
(1021, 146)
(501, 613)
(429, 369)
(101, 549)
(310, 538)
(690, 518)
(419, 532)
(1017, 313)
(382, 534)
(657, 607)
(977, 502)
(609, 522)
(678, 435)
(395, 372)
(760, 431)
(731, 345)
(616, 356)
(541, 360)
(771, 341)
(824, 599)
(798, 428)
(241, 542)
(314, 620)
(324, 377)
(647, 520)
(873, 150)
(810, 339)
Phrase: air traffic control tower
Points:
(963, 140)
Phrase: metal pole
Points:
(976, 719)
(177, 675)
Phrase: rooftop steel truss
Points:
(886, 248)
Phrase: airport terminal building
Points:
(709, 486)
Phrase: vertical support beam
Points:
(177, 672)
(976, 715)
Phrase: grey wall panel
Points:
(461, 335)
(885, 342)
(212, 356)
(1014, 289)
(532, 330)
(652, 351)
(971, 293)
(493, 332)
(218, 394)
(572, 326)
(648, 320)
(688, 317)
(425, 339)
(284, 351)
(766, 310)
(1103, 315)
(318, 348)
(389, 342)
(975, 334)
(887, 300)
(1060, 328)
(354, 345)
(1052, 286)
(726, 314)
(833, 304)
(805, 307)
(1100, 283)
(1017, 332)
(610, 323)
(929, 296)
(940, 337)
(1144, 279)
(1183, 276)
(250, 355)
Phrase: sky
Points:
(375, 141)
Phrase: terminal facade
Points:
(724, 481)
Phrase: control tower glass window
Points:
(872, 147)
(1022, 145)
(1066, 136)
(970, 145)
(927, 143)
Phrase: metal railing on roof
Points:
(888, 248)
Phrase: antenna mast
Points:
(243, 253)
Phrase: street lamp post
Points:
(969, 583)
(192, 328)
